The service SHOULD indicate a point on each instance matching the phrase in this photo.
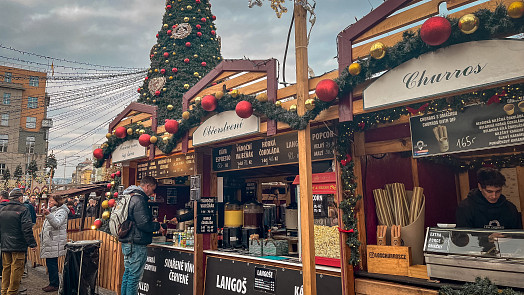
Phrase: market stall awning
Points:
(81, 190)
(323, 183)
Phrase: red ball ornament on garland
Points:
(213, 17)
(198, 27)
(244, 109)
(203, 19)
(139, 89)
(186, 60)
(174, 26)
(112, 175)
(143, 140)
(209, 103)
(111, 203)
(197, 1)
(109, 186)
(98, 153)
(157, 93)
(204, 64)
(118, 173)
(169, 32)
(97, 223)
(171, 126)
(326, 90)
(174, 70)
(188, 44)
(199, 34)
(157, 35)
(151, 56)
(435, 31)
(168, 7)
(146, 78)
(213, 32)
(121, 132)
(162, 71)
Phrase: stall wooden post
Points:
(464, 184)
(198, 247)
(520, 180)
(304, 151)
(359, 143)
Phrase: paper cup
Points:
(509, 109)
(521, 106)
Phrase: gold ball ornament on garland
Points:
(262, 97)
(186, 86)
(198, 100)
(142, 131)
(219, 94)
(105, 204)
(293, 108)
(185, 115)
(112, 183)
(129, 131)
(516, 9)
(196, 74)
(106, 215)
(235, 93)
(354, 69)
(108, 135)
(186, 19)
(153, 139)
(377, 50)
(165, 139)
(170, 107)
(310, 104)
(278, 103)
(468, 24)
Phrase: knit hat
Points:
(15, 194)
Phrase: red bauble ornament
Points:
(112, 175)
(203, 19)
(169, 32)
(162, 71)
(199, 34)
(197, 1)
(186, 60)
(209, 103)
(326, 90)
(118, 173)
(143, 140)
(121, 132)
(98, 153)
(198, 27)
(204, 63)
(146, 78)
(188, 44)
(109, 186)
(151, 56)
(213, 32)
(343, 162)
(168, 7)
(174, 26)
(171, 126)
(244, 109)
(435, 31)
(174, 70)
(157, 93)
(97, 223)
(111, 203)
(157, 35)
(213, 17)
(138, 90)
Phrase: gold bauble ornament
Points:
(165, 26)
(167, 61)
(235, 93)
(186, 86)
(108, 194)
(198, 100)
(278, 103)
(189, 7)
(137, 131)
(218, 58)
(185, 115)
(516, 9)
(195, 55)
(129, 131)
(108, 135)
(154, 100)
(106, 215)
(293, 108)
(166, 133)
(142, 131)
(170, 77)
(148, 98)
(310, 104)
(196, 74)
(468, 23)
(164, 48)
(112, 183)
(105, 204)
(165, 139)
(170, 14)
(182, 9)
(156, 70)
(169, 107)
(164, 89)
(144, 94)
(174, 53)
(150, 71)
(219, 94)
(378, 50)
(262, 97)
(186, 19)
(104, 145)
(153, 139)
(354, 69)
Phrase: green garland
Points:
(480, 287)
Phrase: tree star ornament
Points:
(468, 23)
(516, 9)
(435, 30)
(377, 50)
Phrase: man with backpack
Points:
(140, 233)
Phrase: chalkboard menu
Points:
(320, 206)
(437, 240)
(167, 272)
(206, 216)
(478, 127)
(225, 276)
(275, 150)
(173, 166)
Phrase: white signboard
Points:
(225, 125)
(447, 70)
(128, 150)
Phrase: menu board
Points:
(167, 272)
(206, 216)
(478, 127)
(225, 276)
(275, 150)
(320, 208)
(173, 166)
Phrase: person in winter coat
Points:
(16, 235)
(53, 239)
(134, 245)
(31, 210)
(4, 197)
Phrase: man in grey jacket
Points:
(16, 235)
(134, 245)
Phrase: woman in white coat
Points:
(53, 239)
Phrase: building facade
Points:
(24, 126)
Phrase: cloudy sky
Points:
(120, 34)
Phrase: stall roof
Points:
(97, 187)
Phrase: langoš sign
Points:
(448, 70)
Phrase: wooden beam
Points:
(414, 171)
(134, 119)
(304, 156)
(232, 83)
(372, 287)
(359, 208)
(520, 180)
(388, 146)
(464, 184)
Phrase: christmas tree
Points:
(187, 49)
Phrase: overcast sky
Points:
(121, 33)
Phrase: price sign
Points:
(206, 216)
(437, 241)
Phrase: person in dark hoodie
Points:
(134, 244)
(486, 206)
(4, 195)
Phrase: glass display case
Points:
(464, 254)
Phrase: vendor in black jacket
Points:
(486, 206)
